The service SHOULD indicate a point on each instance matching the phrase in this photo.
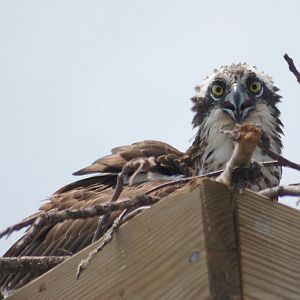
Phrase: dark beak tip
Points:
(237, 103)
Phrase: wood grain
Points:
(269, 234)
(160, 254)
(220, 241)
(191, 245)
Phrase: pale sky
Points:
(78, 78)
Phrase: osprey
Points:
(235, 94)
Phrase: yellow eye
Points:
(217, 90)
(255, 87)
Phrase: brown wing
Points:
(72, 236)
(169, 160)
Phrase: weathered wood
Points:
(168, 252)
(269, 235)
(191, 245)
(220, 241)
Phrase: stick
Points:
(182, 181)
(8, 231)
(29, 264)
(93, 211)
(122, 218)
(107, 238)
(284, 162)
(279, 191)
(292, 67)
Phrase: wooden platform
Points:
(192, 245)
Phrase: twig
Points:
(282, 190)
(122, 218)
(292, 67)
(269, 163)
(8, 231)
(135, 212)
(29, 264)
(93, 211)
(135, 165)
(101, 227)
(107, 238)
(207, 175)
(182, 181)
(284, 162)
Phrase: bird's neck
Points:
(211, 149)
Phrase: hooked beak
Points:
(238, 103)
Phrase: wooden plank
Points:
(185, 248)
(220, 241)
(181, 248)
(269, 235)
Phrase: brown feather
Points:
(121, 155)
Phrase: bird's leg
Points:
(134, 166)
(141, 164)
(248, 137)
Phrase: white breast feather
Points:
(222, 146)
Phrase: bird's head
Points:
(236, 94)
